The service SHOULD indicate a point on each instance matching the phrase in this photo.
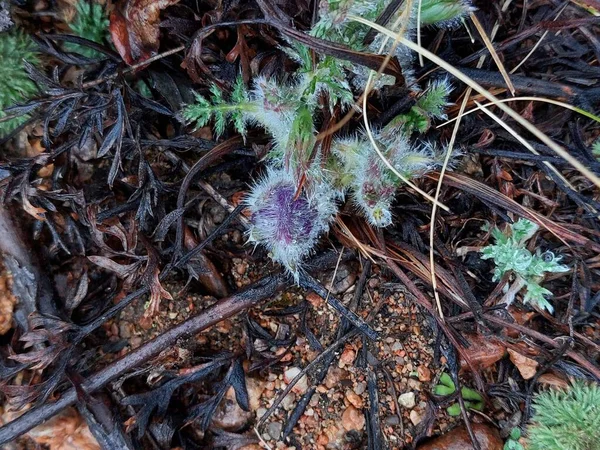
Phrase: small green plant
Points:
(288, 226)
(290, 111)
(90, 22)
(15, 84)
(510, 255)
(512, 443)
(430, 105)
(446, 13)
(566, 419)
(446, 386)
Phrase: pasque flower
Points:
(286, 224)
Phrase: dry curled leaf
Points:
(527, 367)
(134, 28)
(483, 351)
(151, 278)
(33, 211)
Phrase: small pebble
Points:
(260, 412)
(274, 430)
(353, 419)
(360, 388)
(354, 399)
(414, 384)
(423, 373)
(392, 420)
(407, 400)
(302, 385)
(415, 417)
(347, 357)
(289, 402)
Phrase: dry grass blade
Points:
(467, 80)
(372, 77)
(531, 99)
(492, 50)
(492, 196)
(539, 42)
(418, 265)
(520, 138)
(434, 208)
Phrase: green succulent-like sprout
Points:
(472, 398)
(512, 443)
(15, 84)
(509, 254)
(566, 419)
(90, 22)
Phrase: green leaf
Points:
(566, 419)
(510, 255)
(446, 380)
(515, 433)
(470, 394)
(442, 390)
(435, 99)
(220, 111)
(523, 230)
(440, 11)
(536, 295)
(453, 410)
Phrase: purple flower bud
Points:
(289, 227)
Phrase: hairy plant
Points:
(431, 104)
(15, 84)
(90, 22)
(371, 184)
(288, 112)
(286, 224)
(566, 419)
(510, 254)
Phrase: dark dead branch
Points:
(227, 307)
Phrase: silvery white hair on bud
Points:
(289, 227)
(371, 184)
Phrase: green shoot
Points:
(220, 111)
(512, 443)
(446, 387)
(509, 254)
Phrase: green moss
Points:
(15, 84)
(91, 22)
(566, 420)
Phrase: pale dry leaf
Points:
(527, 367)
